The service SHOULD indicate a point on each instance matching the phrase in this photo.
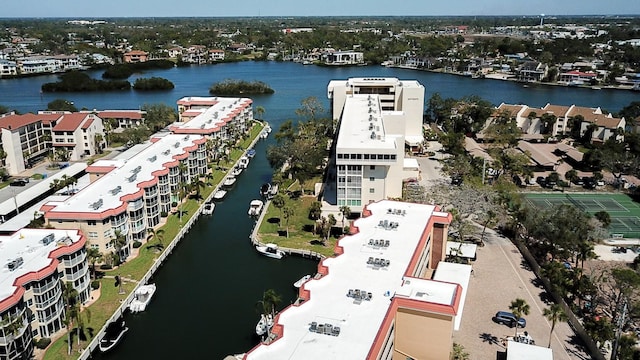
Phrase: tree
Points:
(519, 307)
(118, 241)
(72, 310)
(315, 210)
(490, 216)
(61, 105)
(197, 184)
(458, 352)
(571, 176)
(159, 115)
(270, 299)
(278, 201)
(259, 110)
(94, 256)
(157, 235)
(554, 313)
(345, 211)
(288, 213)
(603, 217)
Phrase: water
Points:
(205, 305)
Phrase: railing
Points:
(77, 275)
(77, 260)
(41, 290)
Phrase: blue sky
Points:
(208, 8)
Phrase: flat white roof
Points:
(520, 351)
(362, 125)
(456, 274)
(465, 250)
(215, 114)
(27, 244)
(106, 192)
(328, 302)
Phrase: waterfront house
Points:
(214, 117)
(216, 55)
(386, 294)
(532, 71)
(8, 68)
(135, 56)
(35, 264)
(338, 58)
(378, 118)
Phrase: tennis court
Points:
(624, 212)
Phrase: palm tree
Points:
(571, 176)
(270, 299)
(94, 256)
(259, 111)
(156, 235)
(288, 212)
(279, 201)
(197, 184)
(82, 321)
(97, 139)
(118, 241)
(554, 313)
(491, 215)
(458, 352)
(346, 212)
(72, 310)
(519, 307)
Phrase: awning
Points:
(413, 140)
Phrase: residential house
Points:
(8, 68)
(532, 71)
(79, 135)
(135, 56)
(344, 58)
(216, 55)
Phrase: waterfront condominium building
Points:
(25, 137)
(128, 196)
(214, 117)
(387, 294)
(35, 263)
(377, 118)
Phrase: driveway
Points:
(500, 276)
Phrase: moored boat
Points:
(208, 208)
(251, 153)
(219, 194)
(255, 207)
(113, 335)
(274, 191)
(243, 162)
(265, 189)
(236, 171)
(142, 298)
(270, 250)
(229, 181)
(302, 280)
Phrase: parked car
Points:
(541, 181)
(19, 182)
(508, 318)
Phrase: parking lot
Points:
(499, 277)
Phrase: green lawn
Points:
(109, 300)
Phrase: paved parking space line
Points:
(533, 299)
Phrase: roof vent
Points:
(14, 264)
(153, 158)
(137, 169)
(97, 205)
(48, 239)
(131, 178)
(166, 152)
(115, 190)
(373, 135)
(176, 145)
(370, 126)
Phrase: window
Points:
(393, 157)
(93, 235)
(386, 157)
(371, 178)
(372, 167)
(372, 191)
(91, 222)
(366, 156)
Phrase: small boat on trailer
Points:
(113, 335)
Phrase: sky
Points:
(226, 8)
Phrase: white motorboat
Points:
(264, 134)
(142, 298)
(229, 181)
(208, 208)
(243, 162)
(255, 207)
(236, 171)
(251, 153)
(219, 194)
(270, 250)
(113, 335)
(302, 280)
(264, 325)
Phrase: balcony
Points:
(135, 205)
(77, 275)
(43, 289)
(75, 261)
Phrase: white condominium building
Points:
(377, 118)
(215, 117)
(35, 263)
(128, 197)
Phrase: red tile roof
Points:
(17, 121)
(120, 114)
(87, 124)
(70, 122)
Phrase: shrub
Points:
(106, 267)
(164, 214)
(136, 244)
(95, 285)
(42, 343)
(174, 204)
(37, 176)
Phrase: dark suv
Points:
(19, 182)
(507, 318)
